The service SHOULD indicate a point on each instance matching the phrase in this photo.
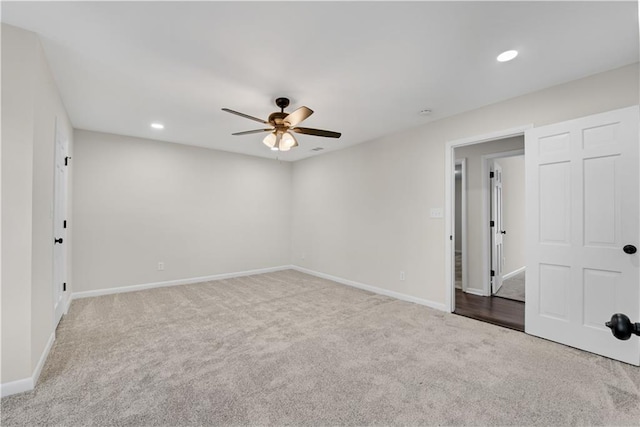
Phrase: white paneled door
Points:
(582, 186)
(60, 243)
(497, 228)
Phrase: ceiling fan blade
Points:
(247, 132)
(317, 132)
(246, 116)
(297, 116)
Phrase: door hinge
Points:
(64, 224)
(490, 174)
(450, 237)
(492, 223)
(493, 273)
(66, 160)
(64, 287)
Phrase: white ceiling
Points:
(365, 68)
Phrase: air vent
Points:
(317, 149)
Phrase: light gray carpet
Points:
(290, 349)
(513, 287)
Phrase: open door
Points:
(582, 188)
(497, 228)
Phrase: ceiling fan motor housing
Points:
(277, 119)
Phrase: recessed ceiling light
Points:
(157, 125)
(507, 56)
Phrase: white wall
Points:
(30, 105)
(475, 205)
(202, 212)
(362, 213)
(514, 214)
(18, 57)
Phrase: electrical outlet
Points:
(160, 266)
(402, 275)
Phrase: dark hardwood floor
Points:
(496, 310)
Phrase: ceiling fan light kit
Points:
(287, 142)
(270, 140)
(282, 124)
(280, 141)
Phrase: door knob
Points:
(57, 240)
(629, 249)
(621, 326)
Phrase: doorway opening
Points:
(487, 228)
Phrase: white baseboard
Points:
(374, 289)
(27, 384)
(15, 387)
(478, 292)
(43, 358)
(67, 303)
(132, 288)
(514, 272)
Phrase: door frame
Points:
(486, 167)
(449, 168)
(463, 221)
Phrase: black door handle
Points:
(630, 249)
(57, 240)
(503, 232)
(621, 326)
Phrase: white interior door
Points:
(497, 229)
(582, 188)
(59, 226)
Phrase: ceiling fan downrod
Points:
(282, 103)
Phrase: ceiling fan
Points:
(282, 124)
